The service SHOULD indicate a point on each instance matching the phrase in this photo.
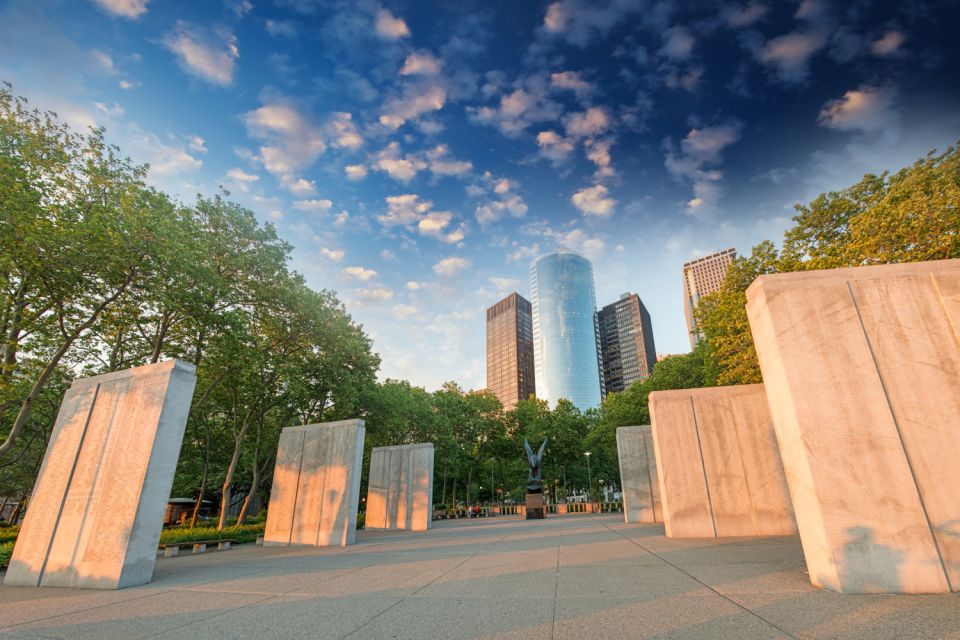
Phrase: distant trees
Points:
(100, 272)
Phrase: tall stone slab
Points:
(718, 463)
(97, 507)
(862, 369)
(400, 488)
(316, 485)
(638, 475)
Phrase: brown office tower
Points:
(510, 350)
(626, 343)
(700, 277)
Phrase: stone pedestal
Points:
(97, 507)
(719, 467)
(534, 506)
(638, 475)
(316, 485)
(862, 369)
(400, 487)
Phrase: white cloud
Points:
(281, 28)
(594, 200)
(124, 8)
(420, 63)
(579, 21)
(165, 158)
(360, 273)
(415, 101)
(126, 84)
(504, 200)
(102, 61)
(292, 141)
(744, 16)
(888, 44)
(404, 210)
(598, 152)
(699, 149)
(677, 43)
(442, 164)
(389, 26)
(388, 255)
(789, 55)
(577, 239)
(240, 179)
(239, 8)
(341, 218)
(866, 109)
(336, 255)
(504, 285)
(399, 167)
(372, 296)
(405, 310)
(449, 267)
(591, 122)
(554, 147)
(355, 171)
(114, 111)
(342, 131)
(208, 55)
(413, 285)
(519, 109)
(298, 186)
(572, 81)
(313, 206)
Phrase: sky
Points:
(418, 155)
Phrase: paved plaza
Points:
(566, 577)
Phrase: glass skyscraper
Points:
(564, 333)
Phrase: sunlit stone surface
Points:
(97, 507)
(638, 475)
(400, 488)
(316, 485)
(718, 463)
(862, 369)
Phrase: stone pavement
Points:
(566, 577)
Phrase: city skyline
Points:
(419, 155)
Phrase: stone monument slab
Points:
(316, 485)
(862, 369)
(400, 487)
(97, 507)
(638, 475)
(718, 463)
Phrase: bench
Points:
(199, 546)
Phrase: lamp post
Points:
(589, 480)
(493, 488)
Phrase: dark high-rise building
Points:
(626, 343)
(510, 350)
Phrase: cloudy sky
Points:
(418, 154)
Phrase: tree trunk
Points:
(443, 499)
(228, 478)
(453, 495)
(161, 336)
(203, 490)
(469, 482)
(255, 480)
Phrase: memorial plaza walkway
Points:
(566, 577)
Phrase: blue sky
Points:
(418, 155)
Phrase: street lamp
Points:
(589, 481)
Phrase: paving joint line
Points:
(556, 589)
(411, 595)
(695, 579)
(61, 615)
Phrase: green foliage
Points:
(8, 534)
(6, 550)
(910, 216)
(243, 533)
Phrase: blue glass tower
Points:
(564, 333)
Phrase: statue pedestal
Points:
(535, 506)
